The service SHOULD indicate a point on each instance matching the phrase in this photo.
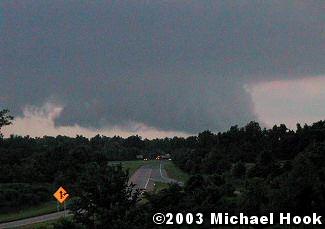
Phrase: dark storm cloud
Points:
(173, 65)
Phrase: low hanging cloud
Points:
(168, 65)
(37, 122)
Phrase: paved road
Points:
(33, 220)
(146, 176)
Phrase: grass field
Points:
(45, 225)
(131, 165)
(26, 212)
(176, 173)
(160, 186)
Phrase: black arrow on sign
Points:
(62, 194)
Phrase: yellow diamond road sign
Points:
(61, 195)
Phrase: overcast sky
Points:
(160, 68)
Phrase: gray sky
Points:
(172, 66)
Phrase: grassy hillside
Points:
(176, 173)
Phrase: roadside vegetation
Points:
(16, 213)
(61, 223)
(132, 166)
(176, 173)
(43, 225)
(160, 186)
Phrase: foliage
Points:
(239, 170)
(102, 196)
(67, 223)
(5, 119)
(20, 194)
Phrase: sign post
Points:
(64, 208)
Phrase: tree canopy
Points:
(5, 119)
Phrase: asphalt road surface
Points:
(146, 176)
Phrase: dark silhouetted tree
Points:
(5, 119)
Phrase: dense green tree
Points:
(134, 142)
(206, 139)
(103, 197)
(239, 170)
(5, 119)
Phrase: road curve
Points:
(146, 176)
